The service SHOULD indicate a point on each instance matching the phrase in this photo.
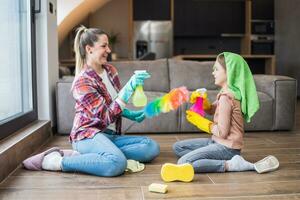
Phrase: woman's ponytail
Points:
(79, 52)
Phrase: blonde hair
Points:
(221, 60)
(84, 36)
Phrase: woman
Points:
(100, 104)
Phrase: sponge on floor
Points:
(172, 172)
(159, 188)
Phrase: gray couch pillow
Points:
(158, 69)
(191, 74)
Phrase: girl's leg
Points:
(140, 148)
(210, 158)
(99, 156)
(186, 146)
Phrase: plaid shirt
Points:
(94, 107)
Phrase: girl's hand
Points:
(199, 121)
(202, 92)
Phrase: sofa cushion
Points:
(165, 122)
(191, 74)
(158, 69)
(263, 118)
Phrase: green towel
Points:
(241, 83)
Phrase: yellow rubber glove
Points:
(134, 166)
(199, 121)
(201, 93)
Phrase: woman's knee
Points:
(152, 149)
(117, 165)
(117, 169)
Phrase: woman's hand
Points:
(135, 80)
(134, 115)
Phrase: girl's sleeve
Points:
(92, 104)
(212, 109)
(222, 127)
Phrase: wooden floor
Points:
(281, 184)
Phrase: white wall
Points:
(65, 7)
(287, 38)
(46, 60)
(114, 16)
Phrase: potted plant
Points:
(113, 40)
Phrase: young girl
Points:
(236, 101)
(100, 104)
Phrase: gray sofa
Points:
(277, 95)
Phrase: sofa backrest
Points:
(192, 74)
(159, 81)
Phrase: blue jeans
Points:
(107, 154)
(204, 154)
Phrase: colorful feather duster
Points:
(168, 102)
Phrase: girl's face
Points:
(219, 74)
(99, 52)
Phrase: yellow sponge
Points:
(156, 187)
(171, 172)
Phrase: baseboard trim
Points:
(21, 144)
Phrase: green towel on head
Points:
(241, 83)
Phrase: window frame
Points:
(17, 123)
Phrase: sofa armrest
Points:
(283, 90)
(65, 104)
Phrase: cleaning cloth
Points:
(241, 83)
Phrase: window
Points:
(17, 78)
